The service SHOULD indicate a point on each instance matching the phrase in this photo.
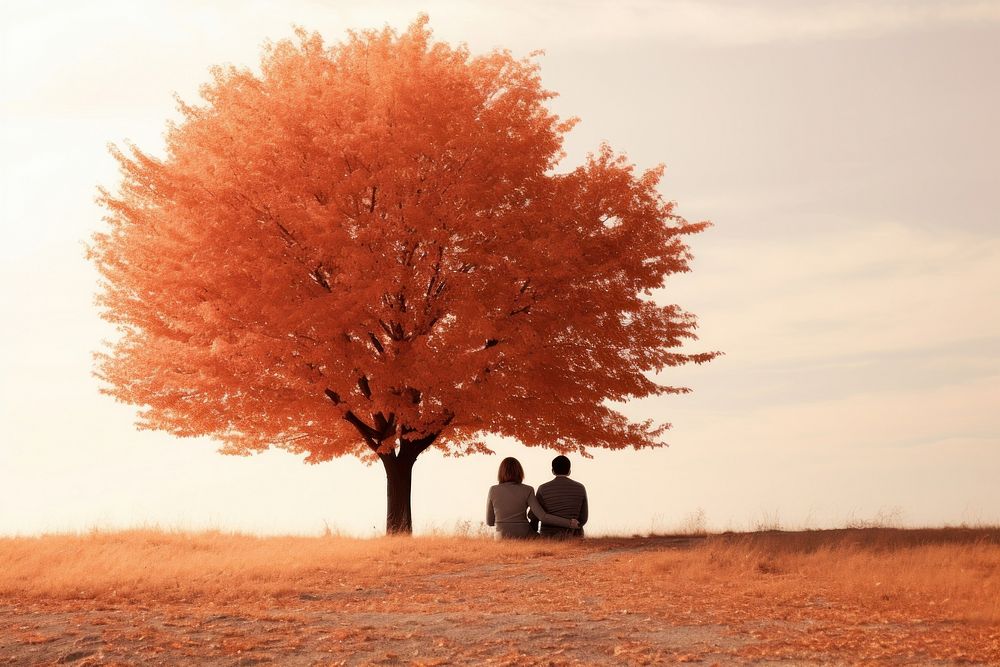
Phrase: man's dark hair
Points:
(560, 465)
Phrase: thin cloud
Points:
(732, 23)
(865, 289)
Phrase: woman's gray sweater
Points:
(507, 506)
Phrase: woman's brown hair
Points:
(510, 471)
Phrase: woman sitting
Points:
(508, 502)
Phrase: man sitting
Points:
(563, 497)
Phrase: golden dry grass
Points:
(848, 596)
(880, 568)
(138, 563)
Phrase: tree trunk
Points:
(398, 461)
(398, 475)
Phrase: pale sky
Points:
(848, 154)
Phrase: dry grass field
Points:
(861, 596)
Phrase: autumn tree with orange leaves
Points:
(366, 250)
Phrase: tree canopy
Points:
(370, 242)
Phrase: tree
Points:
(366, 250)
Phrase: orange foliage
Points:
(374, 230)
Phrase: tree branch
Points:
(411, 449)
(376, 343)
(370, 435)
(318, 275)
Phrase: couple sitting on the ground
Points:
(515, 509)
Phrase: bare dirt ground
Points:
(767, 600)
